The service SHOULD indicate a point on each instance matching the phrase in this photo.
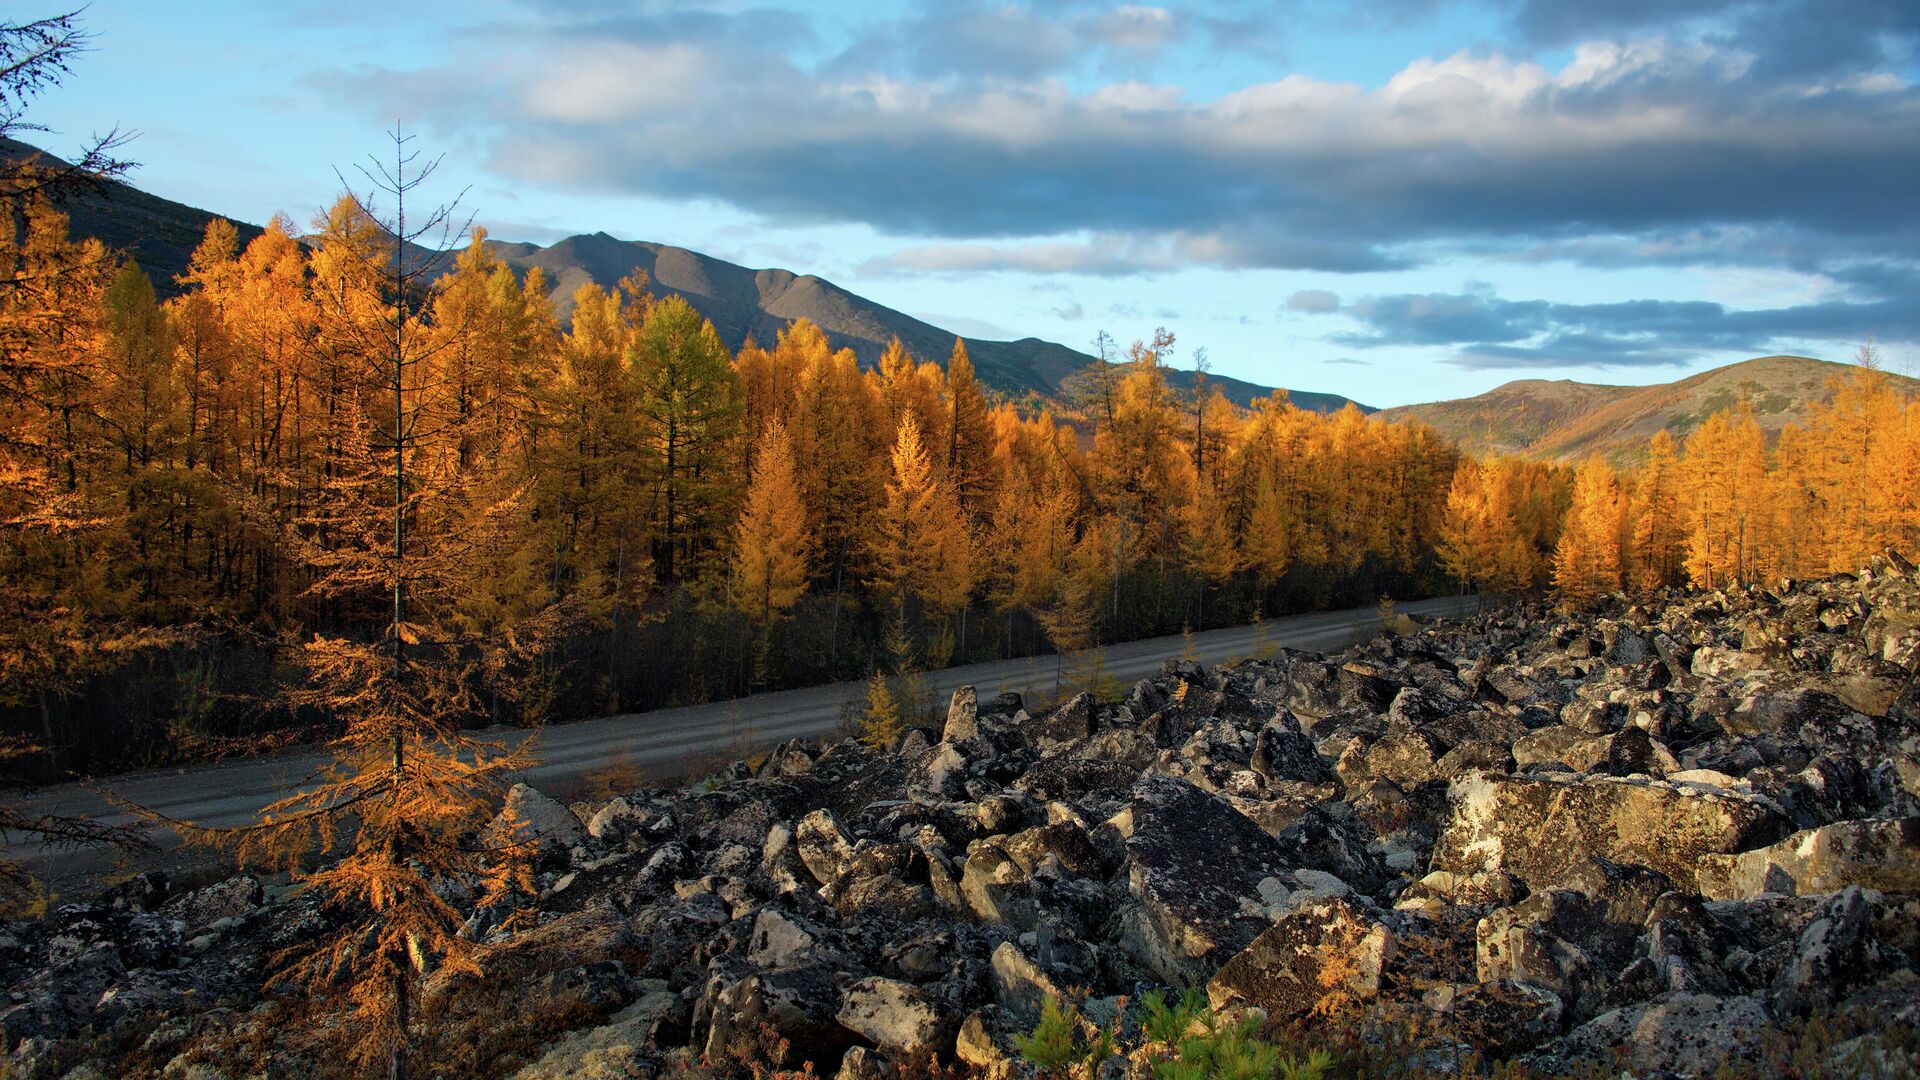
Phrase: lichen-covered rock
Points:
(1193, 868)
(1677, 1035)
(963, 716)
(895, 1015)
(1307, 959)
(1882, 855)
(532, 816)
(823, 846)
(626, 1046)
(1538, 828)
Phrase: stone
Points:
(1192, 869)
(1882, 855)
(799, 1008)
(1675, 1035)
(233, 898)
(1311, 954)
(1020, 986)
(823, 846)
(895, 1016)
(1062, 727)
(963, 717)
(615, 822)
(622, 1047)
(1538, 828)
(985, 1041)
(532, 816)
(946, 771)
(1836, 950)
(1498, 1018)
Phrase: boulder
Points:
(791, 1016)
(624, 1046)
(1838, 950)
(531, 816)
(1020, 986)
(823, 846)
(1311, 958)
(620, 819)
(1192, 871)
(1538, 828)
(1062, 727)
(963, 717)
(1675, 1035)
(895, 1016)
(1882, 855)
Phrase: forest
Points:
(619, 513)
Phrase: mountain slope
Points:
(1563, 420)
(161, 234)
(760, 303)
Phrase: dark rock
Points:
(1308, 955)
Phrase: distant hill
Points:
(1562, 420)
(161, 234)
(743, 302)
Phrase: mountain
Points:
(743, 302)
(1562, 420)
(161, 234)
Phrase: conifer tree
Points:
(921, 550)
(687, 398)
(1658, 533)
(1586, 564)
(770, 541)
(410, 791)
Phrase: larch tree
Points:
(1586, 564)
(1266, 545)
(1726, 471)
(687, 398)
(1659, 536)
(770, 542)
(921, 549)
(969, 430)
(410, 792)
(61, 610)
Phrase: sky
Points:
(1399, 200)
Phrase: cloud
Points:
(1348, 361)
(1070, 312)
(1314, 302)
(966, 326)
(1138, 30)
(963, 128)
(1490, 332)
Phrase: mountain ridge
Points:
(161, 234)
(1563, 420)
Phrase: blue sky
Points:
(1397, 201)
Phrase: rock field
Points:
(1650, 837)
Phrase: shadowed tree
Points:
(391, 541)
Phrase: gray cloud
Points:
(1670, 150)
(1494, 333)
(1314, 302)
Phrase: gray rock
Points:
(1307, 956)
(531, 816)
(1539, 828)
(1882, 855)
(963, 717)
(895, 1016)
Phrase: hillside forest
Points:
(620, 513)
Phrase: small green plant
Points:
(1170, 1023)
(1056, 1043)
